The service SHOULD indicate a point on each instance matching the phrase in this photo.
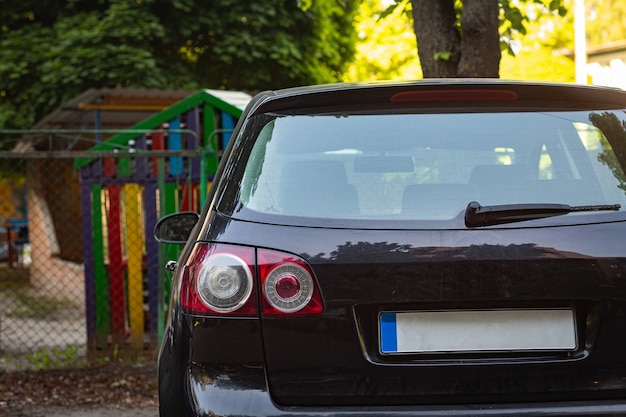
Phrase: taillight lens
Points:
(224, 282)
(220, 280)
(288, 288)
(288, 285)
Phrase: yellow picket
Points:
(134, 253)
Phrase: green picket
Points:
(101, 277)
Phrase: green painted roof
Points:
(231, 102)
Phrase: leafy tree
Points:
(605, 21)
(386, 47)
(52, 50)
(542, 53)
(538, 62)
(464, 38)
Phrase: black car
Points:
(429, 248)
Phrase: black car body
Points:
(408, 249)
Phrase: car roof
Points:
(333, 97)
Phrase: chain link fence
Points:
(42, 291)
(80, 273)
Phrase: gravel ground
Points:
(88, 412)
(120, 390)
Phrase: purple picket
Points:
(152, 254)
(193, 142)
(141, 163)
(87, 226)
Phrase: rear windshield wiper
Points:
(477, 215)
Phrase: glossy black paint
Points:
(455, 269)
(175, 228)
(330, 365)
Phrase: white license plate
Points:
(477, 331)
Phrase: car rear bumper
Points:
(242, 391)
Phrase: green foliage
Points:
(46, 61)
(605, 21)
(516, 15)
(538, 63)
(386, 47)
(56, 358)
(539, 55)
(515, 18)
(53, 50)
(444, 56)
(28, 306)
(6, 361)
(271, 45)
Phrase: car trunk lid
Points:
(547, 280)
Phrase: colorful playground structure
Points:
(159, 166)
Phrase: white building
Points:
(606, 64)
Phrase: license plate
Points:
(477, 331)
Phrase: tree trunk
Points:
(480, 42)
(439, 42)
(446, 52)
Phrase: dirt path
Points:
(86, 412)
(91, 391)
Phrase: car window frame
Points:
(229, 204)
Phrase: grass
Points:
(13, 277)
(28, 306)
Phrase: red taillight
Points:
(288, 285)
(220, 279)
(453, 95)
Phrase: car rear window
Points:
(430, 166)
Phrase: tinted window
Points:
(430, 166)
